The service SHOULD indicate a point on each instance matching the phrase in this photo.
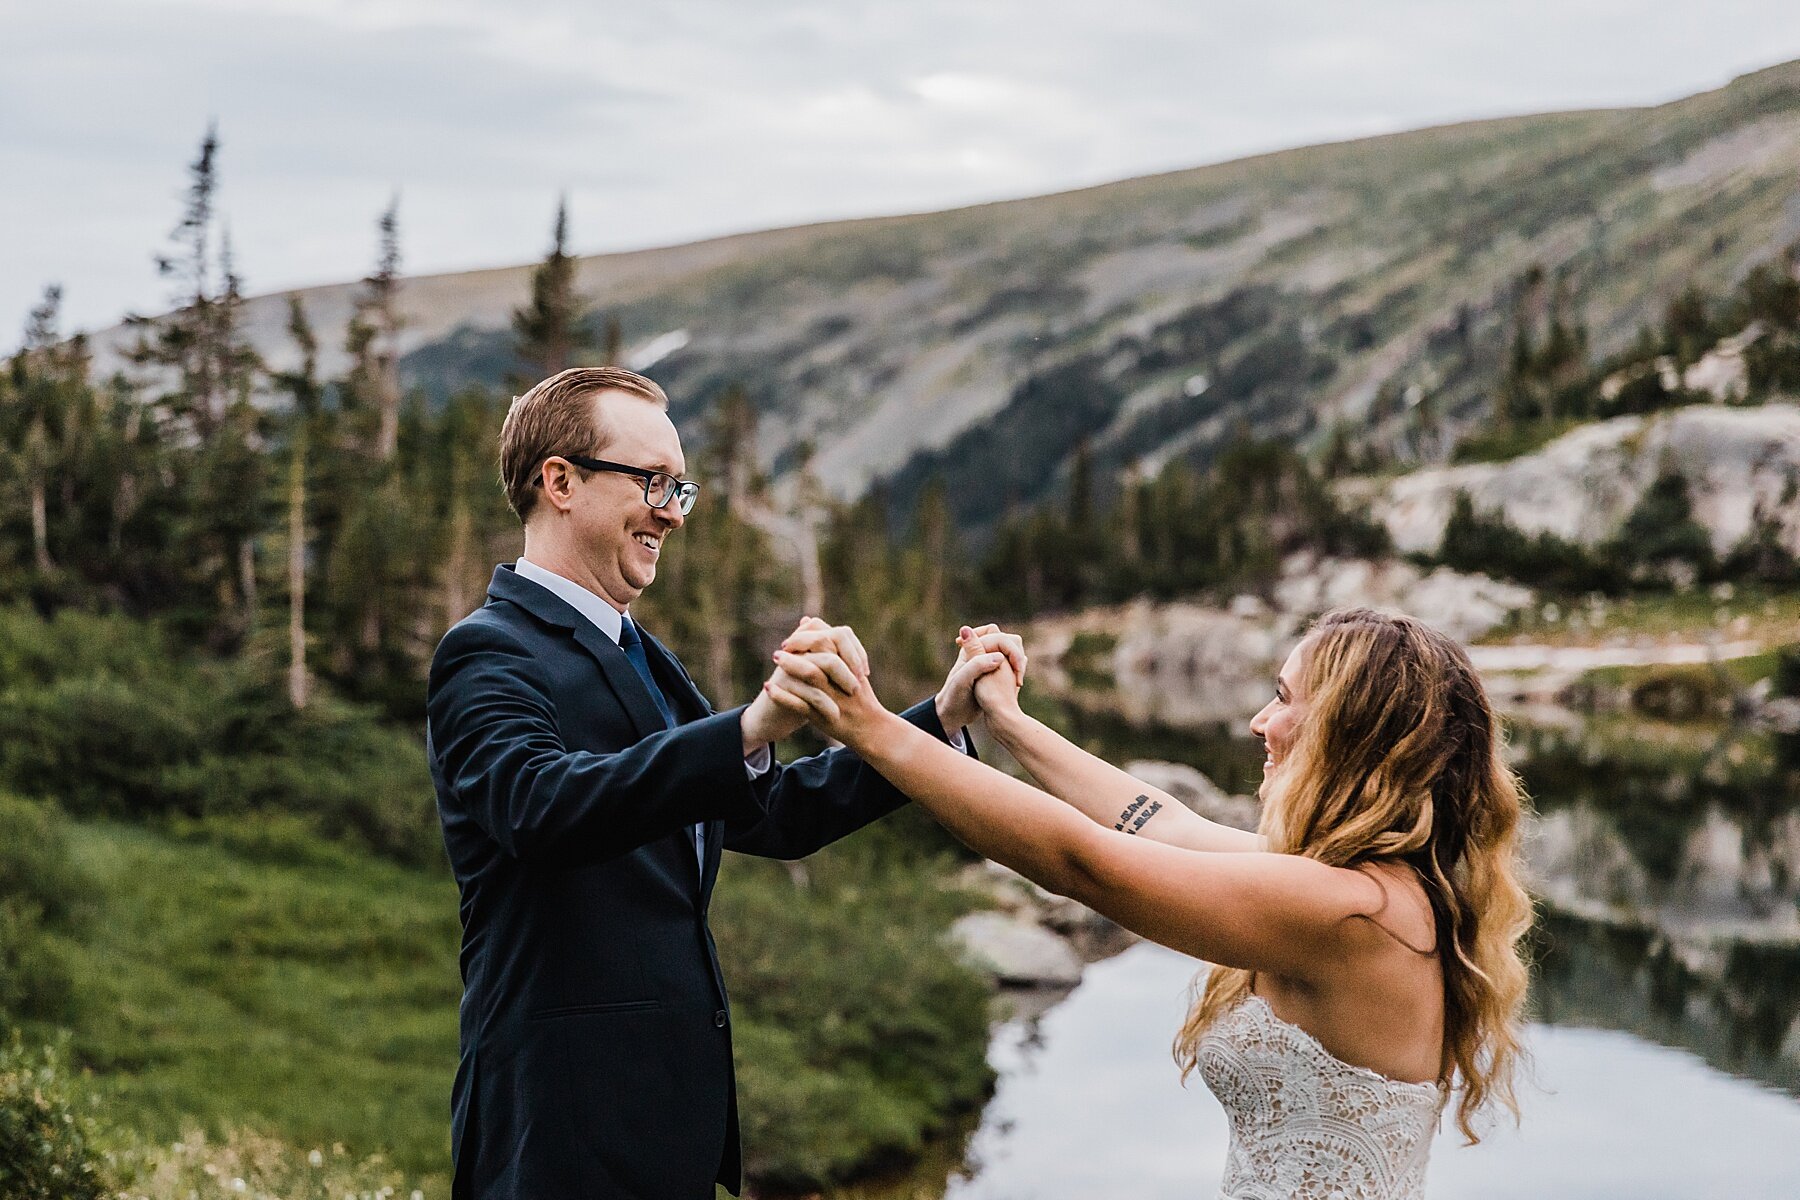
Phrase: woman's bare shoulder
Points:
(1398, 905)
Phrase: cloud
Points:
(694, 117)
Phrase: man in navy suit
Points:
(586, 788)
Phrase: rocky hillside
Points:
(1742, 467)
(1354, 285)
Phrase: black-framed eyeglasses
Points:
(659, 486)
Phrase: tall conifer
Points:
(551, 330)
(372, 340)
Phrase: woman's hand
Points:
(997, 692)
(957, 704)
(818, 688)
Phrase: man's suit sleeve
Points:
(815, 801)
(500, 759)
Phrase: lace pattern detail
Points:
(1305, 1125)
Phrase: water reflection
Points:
(1089, 1106)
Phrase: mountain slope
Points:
(1366, 286)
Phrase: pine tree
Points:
(552, 330)
(372, 340)
(208, 371)
(36, 460)
(197, 349)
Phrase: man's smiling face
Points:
(619, 535)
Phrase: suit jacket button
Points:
(719, 1019)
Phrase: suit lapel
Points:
(688, 701)
(544, 604)
(634, 697)
(622, 676)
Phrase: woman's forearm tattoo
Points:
(1136, 813)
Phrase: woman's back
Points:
(1378, 1000)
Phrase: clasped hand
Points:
(822, 678)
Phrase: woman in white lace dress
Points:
(1365, 938)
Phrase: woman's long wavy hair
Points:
(1398, 760)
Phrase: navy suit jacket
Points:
(595, 1030)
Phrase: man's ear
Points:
(557, 479)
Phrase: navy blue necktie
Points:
(632, 643)
(633, 646)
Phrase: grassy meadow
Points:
(242, 965)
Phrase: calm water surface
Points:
(1089, 1107)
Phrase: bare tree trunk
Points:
(456, 571)
(812, 575)
(387, 437)
(718, 659)
(297, 681)
(124, 501)
(40, 524)
(247, 580)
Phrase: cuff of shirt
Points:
(759, 762)
(959, 740)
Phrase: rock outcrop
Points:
(1192, 664)
(1017, 951)
(1742, 466)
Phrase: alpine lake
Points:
(1665, 1006)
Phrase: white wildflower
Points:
(316, 1158)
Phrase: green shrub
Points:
(1488, 544)
(98, 744)
(46, 1150)
(1786, 680)
(1682, 693)
(42, 896)
(1089, 658)
(859, 1033)
(103, 715)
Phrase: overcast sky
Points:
(678, 119)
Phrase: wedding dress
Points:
(1305, 1125)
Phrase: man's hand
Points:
(834, 649)
(957, 701)
(813, 635)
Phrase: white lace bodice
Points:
(1305, 1125)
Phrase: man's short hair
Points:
(559, 416)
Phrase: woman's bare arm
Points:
(1108, 795)
(1267, 912)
